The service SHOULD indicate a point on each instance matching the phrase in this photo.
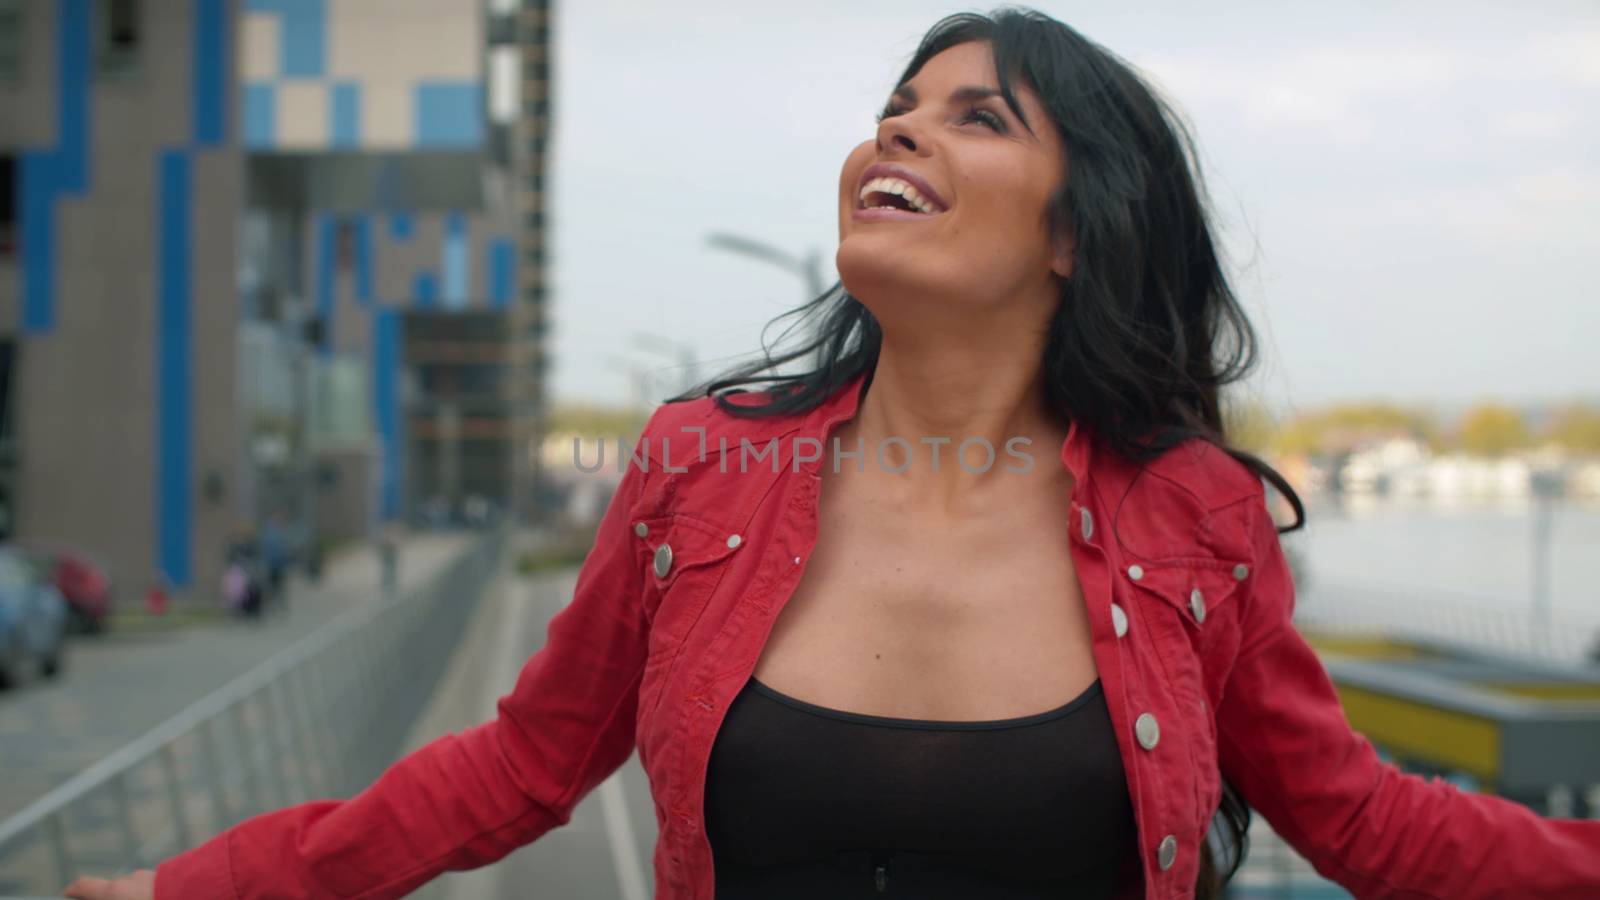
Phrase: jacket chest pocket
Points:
(1187, 605)
(684, 560)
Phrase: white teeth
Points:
(899, 188)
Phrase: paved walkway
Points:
(116, 686)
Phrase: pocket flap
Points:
(1190, 584)
(677, 541)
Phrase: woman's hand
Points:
(140, 885)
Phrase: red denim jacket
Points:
(1189, 600)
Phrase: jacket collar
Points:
(1077, 450)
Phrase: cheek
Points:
(1005, 213)
(850, 173)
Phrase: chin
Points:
(873, 273)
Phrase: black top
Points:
(803, 801)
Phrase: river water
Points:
(1458, 571)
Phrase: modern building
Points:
(224, 226)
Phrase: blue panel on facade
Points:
(260, 115)
(502, 272)
(363, 251)
(43, 176)
(303, 35)
(448, 114)
(209, 71)
(327, 236)
(453, 264)
(305, 38)
(72, 94)
(401, 227)
(36, 189)
(173, 342)
(344, 115)
(386, 404)
(425, 289)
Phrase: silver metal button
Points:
(1240, 571)
(1147, 730)
(663, 560)
(734, 540)
(1087, 522)
(1167, 852)
(1136, 572)
(1119, 620)
(1197, 605)
(641, 529)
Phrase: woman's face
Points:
(990, 178)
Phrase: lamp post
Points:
(1547, 487)
(638, 392)
(687, 357)
(809, 268)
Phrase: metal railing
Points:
(320, 719)
(1273, 869)
(1571, 635)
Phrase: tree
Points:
(1247, 424)
(1576, 428)
(1346, 425)
(1491, 429)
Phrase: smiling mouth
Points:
(896, 194)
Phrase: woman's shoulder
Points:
(1208, 474)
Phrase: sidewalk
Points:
(116, 686)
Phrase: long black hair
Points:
(1148, 330)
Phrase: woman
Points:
(1022, 673)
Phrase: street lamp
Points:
(809, 269)
(687, 357)
(1547, 488)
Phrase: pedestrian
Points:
(1063, 664)
(275, 559)
(235, 585)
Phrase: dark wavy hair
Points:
(1148, 330)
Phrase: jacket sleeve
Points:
(470, 798)
(1284, 741)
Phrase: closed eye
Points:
(976, 114)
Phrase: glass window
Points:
(118, 35)
(345, 244)
(8, 204)
(10, 40)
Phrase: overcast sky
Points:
(1408, 196)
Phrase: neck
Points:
(934, 398)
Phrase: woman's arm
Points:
(1284, 742)
(467, 799)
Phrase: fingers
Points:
(139, 885)
(87, 888)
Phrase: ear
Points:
(1065, 248)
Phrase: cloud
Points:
(1329, 89)
(1572, 54)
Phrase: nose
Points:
(897, 131)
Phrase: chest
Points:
(980, 617)
(931, 623)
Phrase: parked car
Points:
(82, 581)
(33, 618)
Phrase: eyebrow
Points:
(965, 93)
